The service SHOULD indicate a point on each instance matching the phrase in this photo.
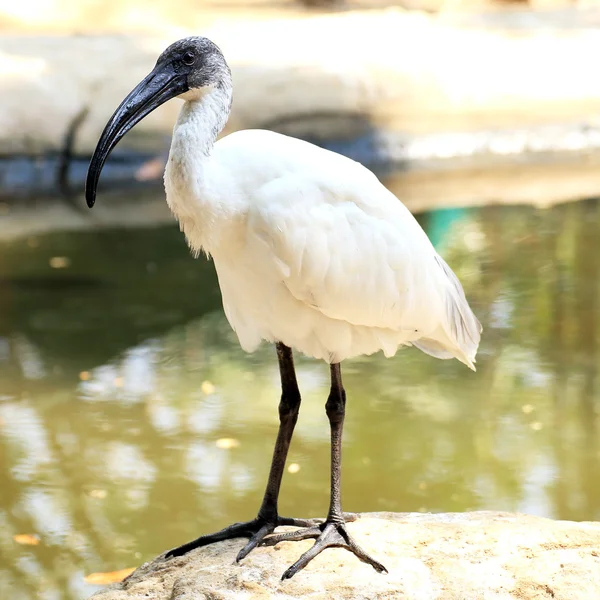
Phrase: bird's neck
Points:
(191, 177)
(200, 121)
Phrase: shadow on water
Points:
(119, 374)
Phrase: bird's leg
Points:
(332, 533)
(268, 517)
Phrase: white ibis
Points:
(312, 253)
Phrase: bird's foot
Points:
(256, 530)
(328, 534)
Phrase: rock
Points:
(470, 556)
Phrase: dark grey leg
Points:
(332, 533)
(289, 406)
(336, 412)
(268, 517)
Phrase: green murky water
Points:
(119, 374)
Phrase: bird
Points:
(312, 253)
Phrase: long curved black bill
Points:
(162, 84)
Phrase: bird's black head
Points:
(198, 60)
(186, 68)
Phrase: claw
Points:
(233, 531)
(329, 535)
(255, 540)
(256, 530)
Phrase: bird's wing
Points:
(349, 249)
(324, 227)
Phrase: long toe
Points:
(332, 535)
(255, 540)
(260, 539)
(303, 522)
(292, 536)
(256, 530)
(237, 530)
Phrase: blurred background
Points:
(131, 421)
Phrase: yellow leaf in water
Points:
(60, 262)
(109, 577)
(207, 388)
(99, 494)
(27, 539)
(527, 408)
(84, 375)
(536, 426)
(227, 443)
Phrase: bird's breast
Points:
(205, 203)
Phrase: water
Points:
(120, 379)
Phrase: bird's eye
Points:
(189, 58)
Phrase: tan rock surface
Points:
(471, 556)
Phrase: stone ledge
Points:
(412, 95)
(454, 556)
(323, 77)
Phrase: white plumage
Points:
(310, 248)
(312, 252)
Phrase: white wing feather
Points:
(312, 250)
(348, 248)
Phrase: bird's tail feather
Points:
(461, 330)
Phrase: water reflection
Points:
(119, 374)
